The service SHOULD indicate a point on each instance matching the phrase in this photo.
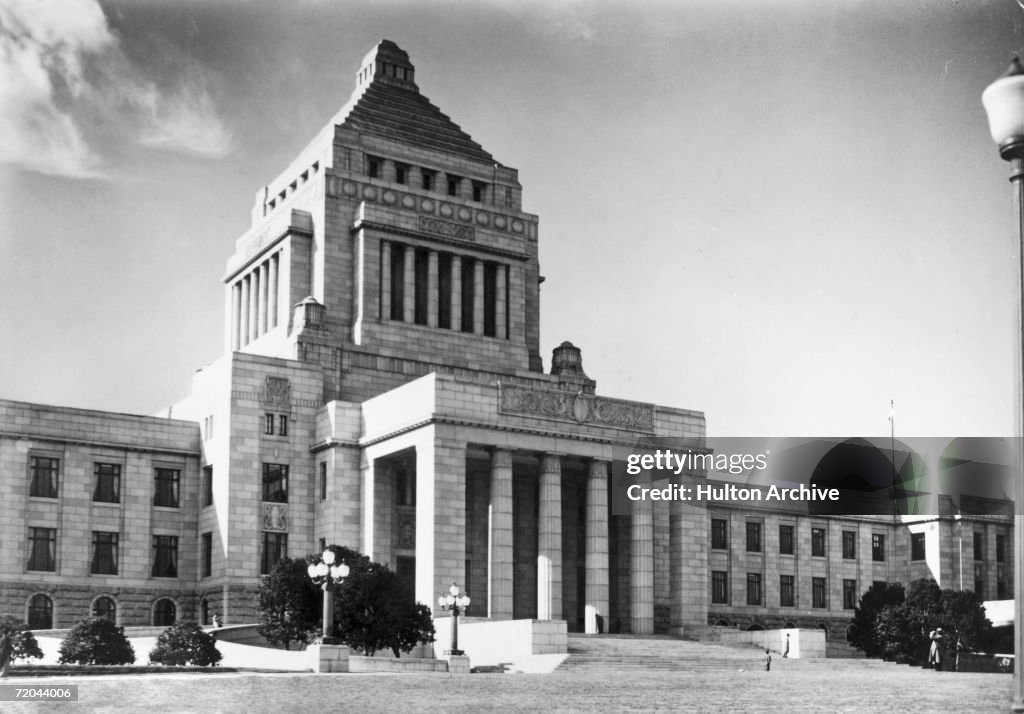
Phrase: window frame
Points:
(819, 593)
(110, 542)
(719, 587)
(849, 545)
(819, 542)
(849, 594)
(113, 487)
(280, 495)
(268, 550)
(165, 556)
(755, 590)
(878, 548)
(754, 544)
(918, 547)
(720, 540)
(787, 586)
(789, 538)
(42, 544)
(49, 488)
(162, 475)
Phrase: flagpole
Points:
(892, 452)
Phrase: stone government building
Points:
(382, 387)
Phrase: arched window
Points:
(40, 612)
(754, 628)
(105, 607)
(789, 626)
(722, 623)
(204, 611)
(824, 628)
(165, 612)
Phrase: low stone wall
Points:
(970, 662)
(504, 641)
(802, 643)
(243, 635)
(358, 663)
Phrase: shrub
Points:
(289, 604)
(23, 642)
(185, 643)
(96, 641)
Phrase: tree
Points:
(373, 611)
(862, 633)
(21, 641)
(289, 605)
(96, 640)
(898, 628)
(185, 643)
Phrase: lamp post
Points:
(456, 603)
(326, 573)
(1004, 104)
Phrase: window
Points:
(1000, 548)
(849, 594)
(397, 281)
(44, 477)
(323, 480)
(787, 591)
(979, 588)
(208, 428)
(979, 545)
(40, 612)
(275, 547)
(373, 166)
(421, 292)
(719, 534)
(819, 595)
(878, 547)
(323, 545)
(165, 612)
(207, 541)
(479, 190)
(207, 486)
(105, 608)
(275, 483)
(453, 185)
(786, 544)
(1001, 590)
(719, 587)
(427, 179)
(849, 545)
(401, 173)
(168, 482)
(818, 542)
(282, 425)
(753, 537)
(268, 424)
(444, 291)
(165, 557)
(104, 553)
(491, 299)
(405, 485)
(917, 549)
(42, 553)
(508, 197)
(753, 588)
(468, 292)
(108, 483)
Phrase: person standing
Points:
(785, 652)
(767, 660)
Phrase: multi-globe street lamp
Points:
(326, 573)
(1004, 104)
(457, 603)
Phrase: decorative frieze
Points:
(579, 408)
(275, 517)
(277, 393)
(446, 228)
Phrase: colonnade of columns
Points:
(444, 293)
(254, 302)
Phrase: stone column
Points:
(499, 556)
(478, 297)
(243, 322)
(456, 293)
(409, 303)
(432, 289)
(385, 280)
(597, 546)
(236, 315)
(641, 572)
(264, 272)
(273, 307)
(254, 306)
(549, 538)
(500, 327)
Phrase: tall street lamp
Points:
(326, 573)
(456, 603)
(1004, 104)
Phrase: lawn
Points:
(782, 690)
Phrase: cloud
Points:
(64, 76)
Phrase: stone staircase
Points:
(597, 654)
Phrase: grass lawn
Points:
(782, 690)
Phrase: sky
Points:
(784, 214)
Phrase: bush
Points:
(23, 642)
(289, 605)
(96, 641)
(185, 643)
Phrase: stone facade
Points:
(382, 388)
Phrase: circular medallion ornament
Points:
(517, 226)
(580, 409)
(369, 193)
(348, 188)
(390, 197)
(408, 202)
(464, 214)
(482, 218)
(499, 222)
(427, 206)
(446, 210)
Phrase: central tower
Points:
(392, 247)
